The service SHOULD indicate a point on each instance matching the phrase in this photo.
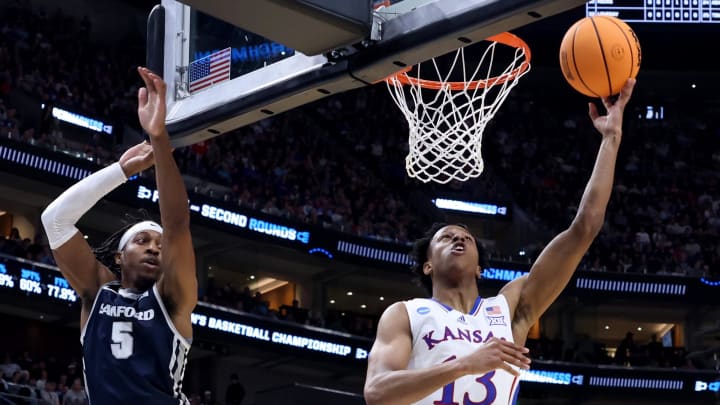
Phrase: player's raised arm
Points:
(388, 380)
(178, 284)
(556, 264)
(71, 251)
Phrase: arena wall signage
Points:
(62, 170)
(24, 284)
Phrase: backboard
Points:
(222, 77)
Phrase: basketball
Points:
(598, 54)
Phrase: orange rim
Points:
(504, 38)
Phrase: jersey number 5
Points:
(448, 392)
(122, 340)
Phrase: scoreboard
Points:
(31, 279)
(657, 11)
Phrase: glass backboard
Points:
(222, 77)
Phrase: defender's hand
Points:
(136, 159)
(151, 103)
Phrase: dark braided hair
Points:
(106, 251)
(420, 254)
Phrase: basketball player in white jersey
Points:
(457, 348)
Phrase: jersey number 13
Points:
(448, 392)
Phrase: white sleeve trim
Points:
(60, 217)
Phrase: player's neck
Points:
(460, 299)
(138, 286)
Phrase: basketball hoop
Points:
(447, 120)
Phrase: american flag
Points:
(210, 70)
(493, 310)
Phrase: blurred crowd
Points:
(56, 58)
(52, 380)
(664, 214)
(244, 300)
(49, 59)
(57, 379)
(15, 245)
(300, 166)
(625, 353)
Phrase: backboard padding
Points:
(309, 26)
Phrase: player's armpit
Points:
(512, 291)
(178, 285)
(83, 271)
(550, 274)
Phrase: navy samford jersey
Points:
(132, 352)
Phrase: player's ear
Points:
(427, 268)
(478, 272)
(117, 258)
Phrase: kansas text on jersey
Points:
(132, 352)
(441, 333)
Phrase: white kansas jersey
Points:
(441, 333)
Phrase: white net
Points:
(447, 118)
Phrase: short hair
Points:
(105, 252)
(419, 254)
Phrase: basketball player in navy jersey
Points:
(459, 348)
(135, 316)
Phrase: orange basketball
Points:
(598, 54)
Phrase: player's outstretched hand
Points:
(611, 123)
(151, 103)
(497, 354)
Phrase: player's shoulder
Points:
(496, 304)
(403, 311)
(511, 291)
(417, 301)
(394, 320)
(398, 311)
(495, 299)
(394, 308)
(421, 306)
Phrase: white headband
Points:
(137, 228)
